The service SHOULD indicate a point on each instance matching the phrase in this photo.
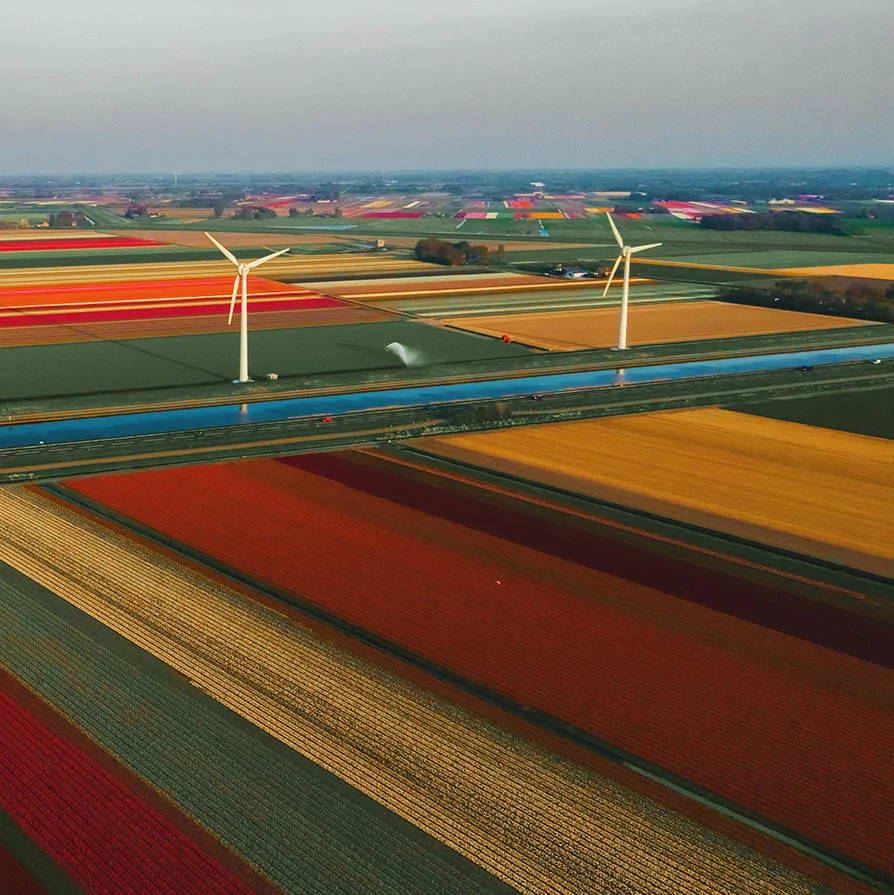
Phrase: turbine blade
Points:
(233, 299)
(653, 245)
(261, 261)
(615, 230)
(224, 249)
(611, 276)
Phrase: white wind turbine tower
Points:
(242, 271)
(626, 252)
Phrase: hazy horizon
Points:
(347, 86)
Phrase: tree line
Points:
(869, 301)
(796, 221)
(66, 219)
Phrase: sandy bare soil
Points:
(648, 324)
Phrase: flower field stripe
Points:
(58, 296)
(93, 242)
(149, 311)
(89, 823)
(292, 267)
(802, 488)
(551, 526)
(305, 829)
(540, 823)
(713, 699)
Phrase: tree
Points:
(455, 254)
(218, 208)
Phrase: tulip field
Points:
(41, 315)
(649, 324)
(86, 242)
(787, 728)
(571, 645)
(294, 268)
(51, 781)
(812, 490)
(363, 754)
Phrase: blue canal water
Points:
(66, 431)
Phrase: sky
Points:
(98, 86)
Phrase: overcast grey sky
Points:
(197, 85)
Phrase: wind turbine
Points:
(626, 252)
(242, 271)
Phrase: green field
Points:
(84, 368)
(864, 412)
(32, 217)
(540, 300)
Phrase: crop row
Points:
(533, 820)
(711, 698)
(175, 267)
(63, 295)
(88, 822)
(90, 242)
(148, 311)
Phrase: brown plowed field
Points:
(656, 324)
(811, 490)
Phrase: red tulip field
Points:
(113, 840)
(793, 731)
(73, 242)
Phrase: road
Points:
(364, 427)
